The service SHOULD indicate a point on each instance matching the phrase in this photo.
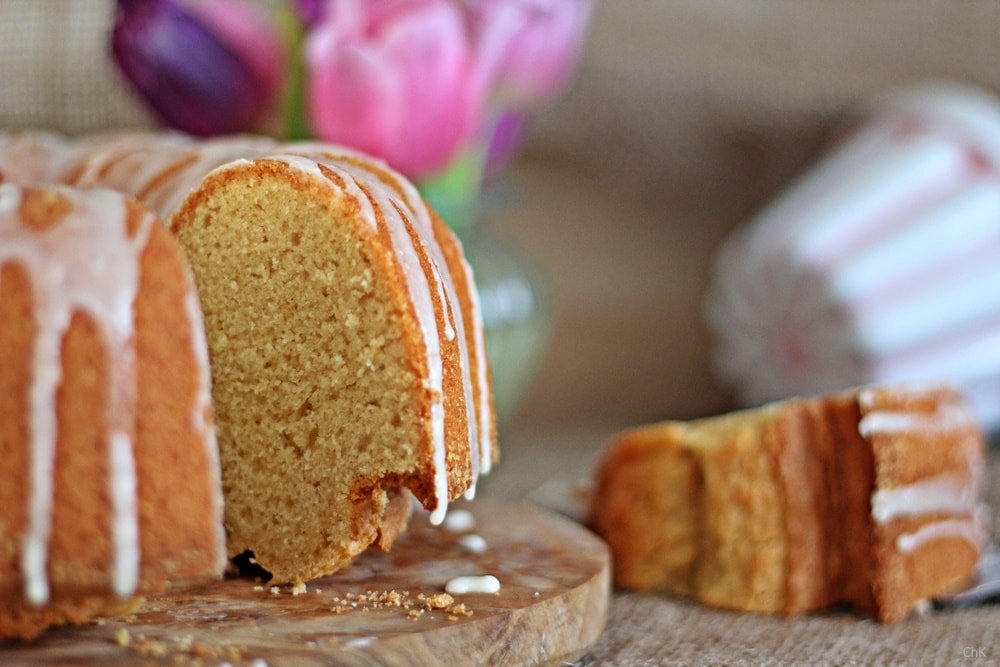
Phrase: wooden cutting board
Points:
(552, 604)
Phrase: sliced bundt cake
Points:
(346, 341)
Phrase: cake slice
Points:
(340, 365)
(109, 486)
(867, 497)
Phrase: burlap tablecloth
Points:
(668, 140)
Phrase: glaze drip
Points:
(951, 494)
(73, 269)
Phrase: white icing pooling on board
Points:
(967, 529)
(950, 493)
(459, 521)
(472, 542)
(487, 584)
(73, 269)
(359, 642)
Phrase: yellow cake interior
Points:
(312, 381)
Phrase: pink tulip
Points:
(544, 50)
(396, 78)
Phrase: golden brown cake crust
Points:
(176, 483)
(29, 622)
(799, 505)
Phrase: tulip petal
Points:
(543, 53)
(247, 31)
(391, 78)
(192, 81)
(355, 96)
(429, 45)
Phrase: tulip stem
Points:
(454, 192)
(296, 125)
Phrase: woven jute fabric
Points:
(56, 70)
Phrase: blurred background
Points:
(684, 118)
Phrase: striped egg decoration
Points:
(881, 264)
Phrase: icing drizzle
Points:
(72, 269)
(967, 529)
(948, 493)
(952, 493)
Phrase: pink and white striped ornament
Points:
(879, 265)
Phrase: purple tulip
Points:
(505, 142)
(543, 52)
(206, 68)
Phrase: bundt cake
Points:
(346, 342)
(110, 485)
(866, 497)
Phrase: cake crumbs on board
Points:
(184, 649)
(414, 605)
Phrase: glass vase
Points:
(515, 305)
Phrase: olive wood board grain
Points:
(553, 602)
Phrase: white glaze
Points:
(459, 521)
(894, 422)
(472, 542)
(967, 529)
(133, 163)
(949, 493)
(487, 584)
(73, 269)
(359, 642)
(31, 158)
(482, 457)
(125, 535)
(912, 391)
(482, 375)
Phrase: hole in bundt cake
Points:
(247, 566)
